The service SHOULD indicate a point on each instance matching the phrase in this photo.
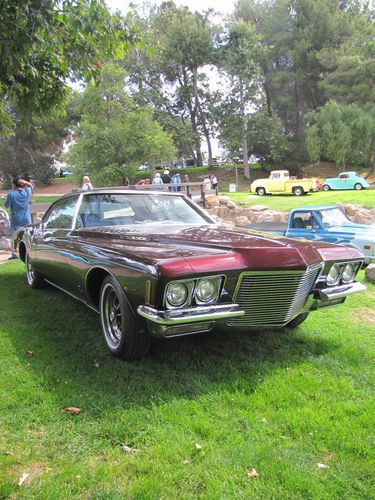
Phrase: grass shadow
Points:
(59, 340)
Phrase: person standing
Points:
(18, 201)
(207, 183)
(157, 181)
(166, 178)
(86, 186)
(214, 182)
(178, 181)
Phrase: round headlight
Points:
(177, 294)
(348, 273)
(206, 290)
(334, 275)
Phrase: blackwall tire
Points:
(298, 320)
(124, 338)
(33, 278)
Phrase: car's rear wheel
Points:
(261, 191)
(298, 320)
(34, 279)
(122, 335)
(298, 191)
(326, 187)
(358, 186)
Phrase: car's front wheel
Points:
(326, 187)
(261, 191)
(34, 279)
(358, 186)
(121, 334)
(298, 320)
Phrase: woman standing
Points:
(86, 186)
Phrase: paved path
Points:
(4, 257)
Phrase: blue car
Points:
(346, 180)
(64, 173)
(325, 223)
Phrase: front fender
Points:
(22, 239)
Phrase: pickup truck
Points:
(327, 223)
(280, 181)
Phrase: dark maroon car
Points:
(154, 264)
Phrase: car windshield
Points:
(122, 209)
(333, 217)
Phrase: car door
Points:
(343, 182)
(275, 182)
(52, 255)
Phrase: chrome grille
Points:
(272, 298)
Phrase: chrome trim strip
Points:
(190, 315)
(338, 292)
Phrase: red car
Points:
(154, 264)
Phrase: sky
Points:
(223, 6)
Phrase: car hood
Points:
(180, 249)
(366, 230)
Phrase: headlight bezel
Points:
(192, 297)
(340, 267)
(187, 300)
(353, 273)
(335, 267)
(215, 281)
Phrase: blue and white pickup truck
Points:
(327, 223)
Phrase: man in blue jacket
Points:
(17, 201)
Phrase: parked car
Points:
(327, 223)
(64, 173)
(346, 180)
(280, 181)
(144, 166)
(154, 264)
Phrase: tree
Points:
(114, 134)
(34, 147)
(238, 60)
(298, 41)
(45, 43)
(342, 134)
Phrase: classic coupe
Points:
(346, 180)
(155, 264)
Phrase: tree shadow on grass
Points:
(69, 356)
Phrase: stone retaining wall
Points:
(232, 214)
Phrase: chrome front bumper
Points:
(172, 322)
(187, 321)
(333, 296)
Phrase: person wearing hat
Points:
(17, 201)
(166, 178)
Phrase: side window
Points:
(302, 220)
(61, 214)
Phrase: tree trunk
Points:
(244, 133)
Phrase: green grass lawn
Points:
(202, 411)
(44, 198)
(285, 202)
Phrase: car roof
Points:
(316, 207)
(124, 190)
